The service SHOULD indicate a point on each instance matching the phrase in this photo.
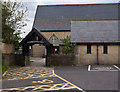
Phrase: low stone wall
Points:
(7, 48)
(27, 60)
(13, 59)
(61, 60)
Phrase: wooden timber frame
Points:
(35, 37)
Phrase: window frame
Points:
(89, 49)
(105, 49)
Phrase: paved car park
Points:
(91, 78)
(91, 81)
(34, 78)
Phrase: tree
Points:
(68, 48)
(13, 17)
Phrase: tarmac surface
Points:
(37, 78)
(91, 81)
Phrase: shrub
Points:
(68, 48)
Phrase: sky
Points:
(32, 6)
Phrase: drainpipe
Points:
(97, 56)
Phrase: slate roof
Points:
(29, 37)
(59, 17)
(94, 31)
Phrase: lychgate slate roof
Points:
(94, 31)
(31, 38)
(59, 17)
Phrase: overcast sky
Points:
(32, 5)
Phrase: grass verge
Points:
(4, 67)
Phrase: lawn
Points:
(3, 67)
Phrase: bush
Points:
(68, 48)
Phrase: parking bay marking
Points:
(90, 69)
(116, 67)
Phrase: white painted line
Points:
(103, 70)
(80, 89)
(89, 67)
(116, 67)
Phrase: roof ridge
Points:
(79, 4)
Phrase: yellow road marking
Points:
(66, 85)
(43, 81)
(67, 81)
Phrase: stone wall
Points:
(60, 35)
(37, 50)
(111, 57)
(12, 59)
(80, 56)
(61, 60)
(85, 59)
(7, 48)
(27, 60)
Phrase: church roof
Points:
(59, 17)
(94, 32)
